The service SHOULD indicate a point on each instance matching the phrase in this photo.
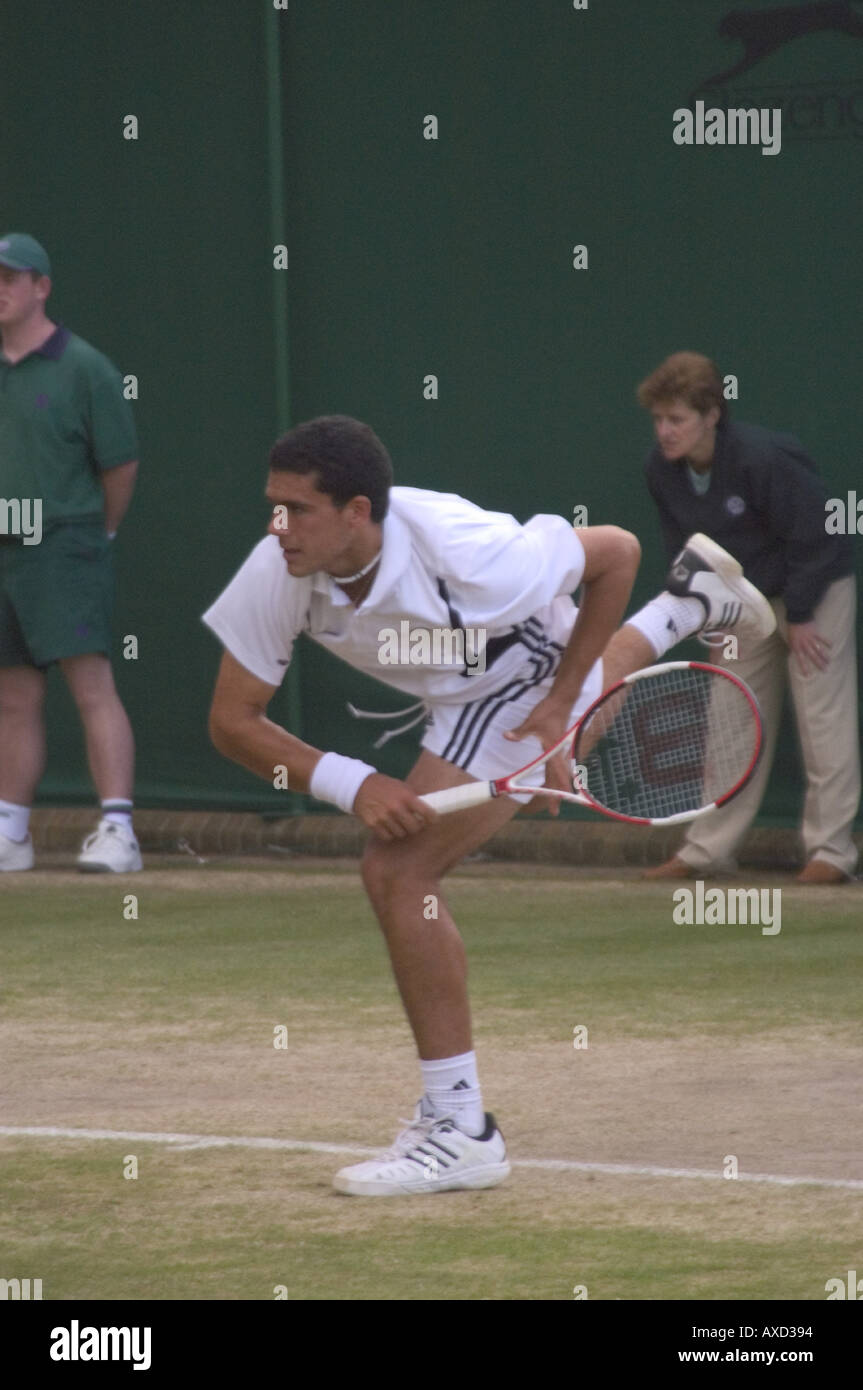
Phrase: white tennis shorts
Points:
(471, 735)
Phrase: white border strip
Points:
(550, 1165)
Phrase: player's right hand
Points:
(547, 721)
(389, 808)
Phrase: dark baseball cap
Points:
(19, 251)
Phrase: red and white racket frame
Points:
(477, 793)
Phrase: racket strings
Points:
(663, 746)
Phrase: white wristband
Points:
(337, 779)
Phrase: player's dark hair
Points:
(347, 456)
(685, 376)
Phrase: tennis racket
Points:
(662, 746)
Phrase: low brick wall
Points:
(597, 844)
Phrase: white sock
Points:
(452, 1087)
(118, 812)
(666, 620)
(14, 821)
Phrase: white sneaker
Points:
(15, 854)
(705, 571)
(431, 1155)
(110, 849)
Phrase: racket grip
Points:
(458, 798)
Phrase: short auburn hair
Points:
(684, 376)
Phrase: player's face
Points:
(20, 296)
(313, 532)
(682, 432)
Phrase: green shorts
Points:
(57, 597)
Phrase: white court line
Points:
(550, 1165)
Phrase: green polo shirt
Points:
(63, 421)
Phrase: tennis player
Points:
(349, 558)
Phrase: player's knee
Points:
(91, 682)
(386, 868)
(378, 871)
(630, 547)
(19, 699)
(93, 702)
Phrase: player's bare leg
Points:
(428, 955)
(22, 761)
(628, 651)
(108, 733)
(22, 733)
(706, 589)
(427, 952)
(448, 1145)
(112, 847)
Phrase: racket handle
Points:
(459, 798)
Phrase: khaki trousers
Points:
(825, 708)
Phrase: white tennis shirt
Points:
(496, 575)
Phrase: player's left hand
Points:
(548, 721)
(811, 650)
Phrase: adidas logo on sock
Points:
(461, 1086)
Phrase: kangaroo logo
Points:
(765, 31)
(812, 107)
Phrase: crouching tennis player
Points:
(348, 557)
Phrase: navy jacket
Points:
(765, 505)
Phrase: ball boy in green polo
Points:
(68, 460)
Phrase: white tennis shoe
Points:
(15, 854)
(110, 849)
(431, 1155)
(705, 571)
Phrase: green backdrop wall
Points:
(410, 256)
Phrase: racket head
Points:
(667, 744)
